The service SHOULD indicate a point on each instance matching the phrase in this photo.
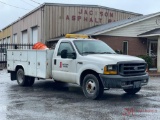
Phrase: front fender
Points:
(93, 67)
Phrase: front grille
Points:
(132, 68)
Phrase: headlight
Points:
(110, 70)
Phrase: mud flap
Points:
(13, 75)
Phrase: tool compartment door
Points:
(41, 63)
(32, 66)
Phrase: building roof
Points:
(71, 5)
(154, 32)
(115, 25)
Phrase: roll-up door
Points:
(24, 37)
(34, 35)
(15, 39)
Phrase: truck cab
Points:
(94, 66)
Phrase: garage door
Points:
(4, 41)
(9, 42)
(24, 37)
(15, 39)
(34, 35)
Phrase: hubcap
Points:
(91, 87)
(20, 77)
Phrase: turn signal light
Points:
(109, 72)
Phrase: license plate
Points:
(137, 84)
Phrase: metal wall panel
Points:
(7, 32)
(55, 20)
(27, 23)
(61, 20)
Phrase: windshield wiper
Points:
(97, 52)
(89, 53)
(106, 53)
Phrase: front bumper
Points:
(125, 82)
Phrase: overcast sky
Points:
(9, 14)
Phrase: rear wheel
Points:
(92, 87)
(21, 79)
(132, 90)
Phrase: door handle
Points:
(80, 62)
(55, 61)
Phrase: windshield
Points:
(92, 47)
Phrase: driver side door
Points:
(64, 69)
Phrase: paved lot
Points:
(46, 101)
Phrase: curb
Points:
(154, 75)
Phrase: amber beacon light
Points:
(76, 36)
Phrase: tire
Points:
(21, 79)
(92, 87)
(30, 81)
(132, 90)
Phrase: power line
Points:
(28, 3)
(35, 2)
(13, 6)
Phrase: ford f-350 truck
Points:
(90, 63)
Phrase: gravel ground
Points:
(45, 100)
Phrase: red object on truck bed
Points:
(39, 46)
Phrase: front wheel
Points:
(132, 90)
(92, 87)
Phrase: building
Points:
(50, 20)
(129, 32)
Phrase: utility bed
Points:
(36, 63)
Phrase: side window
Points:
(67, 46)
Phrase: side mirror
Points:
(74, 55)
(64, 53)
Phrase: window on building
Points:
(34, 34)
(125, 47)
(24, 37)
(15, 38)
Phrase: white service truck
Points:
(90, 63)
